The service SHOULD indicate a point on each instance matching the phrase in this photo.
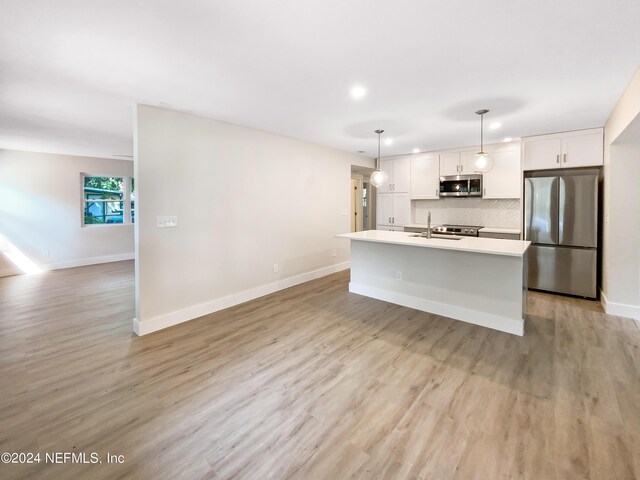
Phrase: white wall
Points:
(621, 239)
(245, 200)
(41, 211)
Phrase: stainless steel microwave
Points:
(461, 186)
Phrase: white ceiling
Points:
(70, 71)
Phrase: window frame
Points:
(126, 200)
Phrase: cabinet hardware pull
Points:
(558, 158)
(389, 219)
(565, 158)
(393, 219)
(462, 168)
(436, 192)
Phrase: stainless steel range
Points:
(461, 230)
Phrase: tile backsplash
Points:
(468, 211)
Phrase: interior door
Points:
(578, 211)
(541, 210)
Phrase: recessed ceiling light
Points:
(507, 139)
(388, 141)
(495, 125)
(358, 92)
(416, 150)
(360, 151)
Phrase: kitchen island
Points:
(477, 280)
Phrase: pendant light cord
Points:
(482, 132)
(379, 132)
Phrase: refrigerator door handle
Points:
(528, 187)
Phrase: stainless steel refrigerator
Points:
(561, 222)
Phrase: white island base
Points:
(476, 280)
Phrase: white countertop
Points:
(492, 246)
(515, 231)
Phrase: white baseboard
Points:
(81, 262)
(619, 309)
(7, 272)
(179, 316)
(496, 322)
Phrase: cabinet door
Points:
(450, 163)
(542, 153)
(401, 174)
(466, 162)
(384, 209)
(583, 149)
(401, 209)
(425, 176)
(503, 181)
(387, 166)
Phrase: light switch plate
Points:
(166, 221)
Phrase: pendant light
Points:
(379, 178)
(482, 161)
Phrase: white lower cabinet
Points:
(393, 209)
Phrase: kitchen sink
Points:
(435, 235)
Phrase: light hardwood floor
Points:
(312, 383)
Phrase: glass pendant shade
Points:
(482, 162)
(379, 178)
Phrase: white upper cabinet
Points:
(402, 174)
(456, 163)
(425, 176)
(503, 181)
(387, 166)
(450, 163)
(398, 171)
(582, 148)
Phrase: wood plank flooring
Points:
(312, 383)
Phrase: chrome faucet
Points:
(429, 224)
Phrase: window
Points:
(107, 200)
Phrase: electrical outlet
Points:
(398, 275)
(166, 221)
(334, 253)
(275, 268)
